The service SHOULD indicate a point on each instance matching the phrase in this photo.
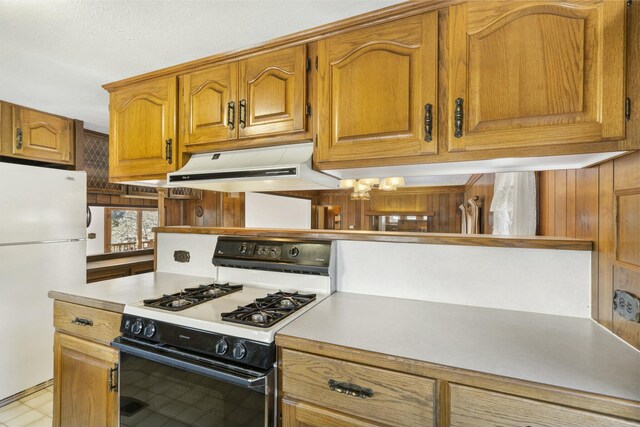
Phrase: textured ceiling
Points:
(57, 53)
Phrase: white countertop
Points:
(562, 351)
(115, 293)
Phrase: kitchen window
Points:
(129, 229)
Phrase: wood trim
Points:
(118, 255)
(538, 242)
(380, 16)
(543, 392)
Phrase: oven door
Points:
(163, 386)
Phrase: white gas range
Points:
(222, 332)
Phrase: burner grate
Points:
(190, 297)
(267, 311)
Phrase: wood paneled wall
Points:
(227, 209)
(481, 185)
(602, 204)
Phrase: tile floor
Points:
(35, 410)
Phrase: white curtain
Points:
(514, 204)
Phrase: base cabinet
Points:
(472, 407)
(85, 367)
(85, 384)
(300, 414)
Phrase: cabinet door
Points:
(299, 414)
(472, 407)
(375, 86)
(272, 93)
(143, 138)
(41, 136)
(81, 389)
(209, 104)
(535, 73)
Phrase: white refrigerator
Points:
(42, 246)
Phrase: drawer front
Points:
(472, 407)
(398, 399)
(86, 322)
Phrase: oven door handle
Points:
(259, 383)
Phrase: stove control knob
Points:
(149, 330)
(294, 251)
(137, 327)
(239, 351)
(222, 346)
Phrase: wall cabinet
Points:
(534, 74)
(378, 91)
(85, 374)
(142, 143)
(33, 135)
(264, 95)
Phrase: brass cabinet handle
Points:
(428, 122)
(82, 322)
(19, 139)
(169, 150)
(231, 115)
(113, 378)
(458, 118)
(350, 389)
(243, 114)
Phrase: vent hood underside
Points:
(280, 168)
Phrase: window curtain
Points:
(514, 204)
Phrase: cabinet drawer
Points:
(472, 407)
(87, 322)
(398, 399)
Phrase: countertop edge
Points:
(89, 302)
(534, 242)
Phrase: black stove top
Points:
(190, 297)
(267, 311)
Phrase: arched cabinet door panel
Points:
(272, 93)
(378, 91)
(143, 130)
(528, 74)
(41, 136)
(209, 105)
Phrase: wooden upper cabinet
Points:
(535, 73)
(209, 104)
(143, 137)
(377, 88)
(35, 135)
(272, 93)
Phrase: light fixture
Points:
(347, 183)
(362, 186)
(391, 183)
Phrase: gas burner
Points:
(265, 312)
(192, 296)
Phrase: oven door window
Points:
(154, 394)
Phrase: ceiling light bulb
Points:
(361, 187)
(369, 181)
(396, 181)
(347, 183)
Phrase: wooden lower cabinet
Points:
(85, 372)
(300, 414)
(385, 397)
(85, 376)
(473, 407)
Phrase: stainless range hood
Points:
(280, 168)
